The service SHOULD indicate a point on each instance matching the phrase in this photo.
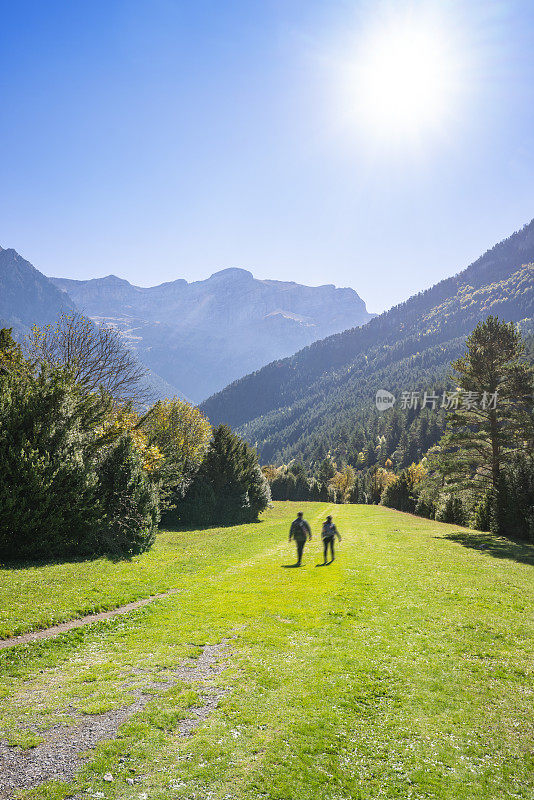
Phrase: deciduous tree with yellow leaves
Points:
(181, 434)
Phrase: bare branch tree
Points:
(96, 356)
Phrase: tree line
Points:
(312, 416)
(470, 464)
(90, 466)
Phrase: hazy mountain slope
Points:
(289, 403)
(199, 336)
(27, 297)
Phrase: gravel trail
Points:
(65, 750)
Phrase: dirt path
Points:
(65, 751)
(55, 630)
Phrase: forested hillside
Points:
(317, 401)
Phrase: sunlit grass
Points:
(403, 670)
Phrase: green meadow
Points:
(402, 670)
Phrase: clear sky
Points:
(161, 139)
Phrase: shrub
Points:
(452, 511)
(398, 494)
(484, 512)
(425, 507)
(127, 501)
(283, 487)
(196, 508)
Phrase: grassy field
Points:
(402, 670)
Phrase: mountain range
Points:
(307, 404)
(200, 336)
(194, 338)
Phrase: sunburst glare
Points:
(406, 79)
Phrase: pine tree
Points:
(127, 501)
(67, 488)
(327, 470)
(47, 452)
(494, 415)
(519, 490)
(232, 480)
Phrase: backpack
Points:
(329, 530)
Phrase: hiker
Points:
(328, 534)
(300, 531)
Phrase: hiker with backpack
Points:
(328, 535)
(300, 531)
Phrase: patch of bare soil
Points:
(65, 751)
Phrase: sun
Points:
(405, 79)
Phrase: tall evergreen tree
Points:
(47, 438)
(230, 482)
(67, 488)
(494, 414)
(127, 502)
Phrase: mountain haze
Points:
(291, 405)
(27, 297)
(200, 336)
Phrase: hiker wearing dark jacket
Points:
(299, 531)
(328, 534)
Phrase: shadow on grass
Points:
(496, 546)
(115, 558)
(32, 563)
(170, 527)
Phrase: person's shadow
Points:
(325, 563)
(290, 566)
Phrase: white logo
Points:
(384, 400)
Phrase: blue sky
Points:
(162, 139)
